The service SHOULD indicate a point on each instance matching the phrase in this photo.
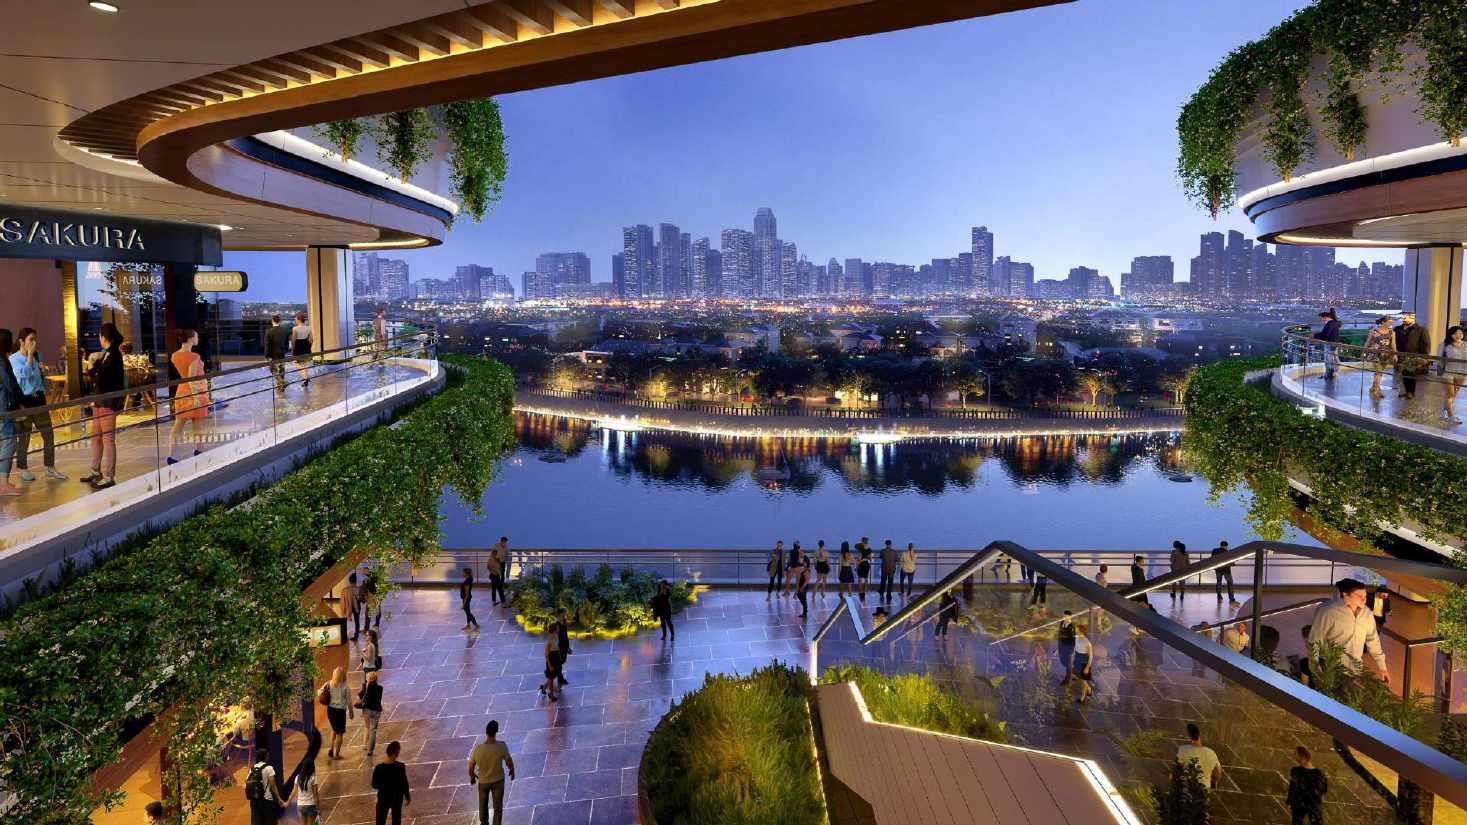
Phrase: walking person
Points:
(801, 575)
(1380, 346)
(262, 791)
(10, 399)
(371, 653)
(793, 561)
(496, 576)
(863, 566)
(1066, 641)
(506, 564)
(1082, 662)
(551, 687)
(822, 568)
(888, 571)
(466, 598)
(107, 376)
(390, 780)
(1179, 560)
(847, 572)
(1040, 593)
(909, 569)
(487, 764)
(191, 400)
(562, 646)
(336, 696)
(370, 703)
(775, 567)
(379, 336)
(277, 349)
(1208, 765)
(25, 365)
(351, 602)
(947, 610)
(1453, 368)
(371, 602)
(300, 348)
(662, 610)
(1307, 787)
(1412, 344)
(308, 790)
(1224, 573)
(1329, 337)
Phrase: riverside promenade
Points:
(752, 422)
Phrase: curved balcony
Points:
(1412, 397)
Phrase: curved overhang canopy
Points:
(197, 83)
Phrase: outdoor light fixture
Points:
(103, 5)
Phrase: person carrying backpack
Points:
(262, 791)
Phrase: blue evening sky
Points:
(1054, 127)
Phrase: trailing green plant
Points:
(1184, 800)
(404, 140)
(478, 160)
(604, 604)
(140, 634)
(343, 135)
(917, 700)
(738, 750)
(1356, 37)
(1331, 675)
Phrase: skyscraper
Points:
(1016, 277)
(1209, 277)
(698, 287)
(714, 267)
(1239, 265)
(788, 281)
(468, 277)
(965, 282)
(366, 283)
(637, 261)
(1151, 277)
(834, 275)
(563, 272)
(768, 273)
(853, 280)
(738, 263)
(393, 277)
(984, 281)
(1084, 282)
(1264, 272)
(670, 278)
(618, 275)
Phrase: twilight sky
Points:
(1054, 127)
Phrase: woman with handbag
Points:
(371, 653)
(336, 696)
(369, 702)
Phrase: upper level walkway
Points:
(1411, 397)
(258, 420)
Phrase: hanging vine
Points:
(1357, 37)
(405, 140)
(478, 161)
(343, 135)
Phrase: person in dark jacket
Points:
(370, 700)
(107, 375)
(563, 636)
(1411, 340)
(277, 346)
(390, 779)
(1329, 335)
(662, 610)
(1307, 787)
(947, 610)
(10, 401)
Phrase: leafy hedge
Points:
(1356, 37)
(601, 604)
(1238, 434)
(737, 751)
(208, 613)
(917, 700)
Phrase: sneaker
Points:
(26, 475)
(9, 490)
(103, 483)
(52, 472)
(92, 477)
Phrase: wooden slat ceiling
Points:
(113, 130)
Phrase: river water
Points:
(573, 484)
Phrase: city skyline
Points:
(1085, 179)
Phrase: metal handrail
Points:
(1292, 337)
(428, 336)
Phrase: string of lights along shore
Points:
(666, 263)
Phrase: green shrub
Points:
(208, 612)
(600, 604)
(737, 751)
(1184, 800)
(916, 700)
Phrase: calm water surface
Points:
(571, 484)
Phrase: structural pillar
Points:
(329, 297)
(1432, 288)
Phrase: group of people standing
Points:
(498, 566)
(1402, 348)
(790, 573)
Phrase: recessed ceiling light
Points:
(103, 5)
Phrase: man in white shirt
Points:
(1235, 638)
(1208, 765)
(1347, 623)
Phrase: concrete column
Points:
(1432, 288)
(329, 297)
